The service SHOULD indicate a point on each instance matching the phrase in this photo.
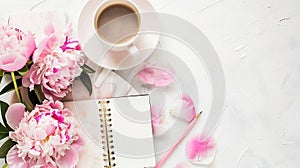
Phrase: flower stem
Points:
(16, 86)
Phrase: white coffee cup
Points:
(107, 53)
(118, 25)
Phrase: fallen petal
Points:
(157, 76)
(182, 165)
(185, 110)
(201, 150)
(159, 129)
(159, 124)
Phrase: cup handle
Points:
(134, 51)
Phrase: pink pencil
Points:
(186, 132)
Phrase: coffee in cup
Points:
(117, 22)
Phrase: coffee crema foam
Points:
(117, 23)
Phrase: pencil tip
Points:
(199, 114)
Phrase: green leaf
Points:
(2, 73)
(39, 94)
(4, 107)
(33, 98)
(3, 132)
(3, 135)
(85, 79)
(28, 106)
(23, 71)
(29, 62)
(5, 166)
(6, 147)
(10, 87)
(3, 129)
(87, 69)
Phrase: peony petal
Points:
(14, 161)
(57, 105)
(78, 145)
(157, 76)
(182, 165)
(14, 115)
(30, 45)
(12, 62)
(159, 124)
(54, 140)
(49, 29)
(69, 45)
(159, 129)
(70, 159)
(198, 149)
(40, 134)
(26, 78)
(185, 110)
(45, 47)
(158, 112)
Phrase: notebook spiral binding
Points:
(107, 137)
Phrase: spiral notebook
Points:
(121, 128)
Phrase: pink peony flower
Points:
(55, 73)
(56, 41)
(187, 112)
(157, 76)
(46, 137)
(57, 63)
(16, 47)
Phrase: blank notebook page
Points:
(131, 143)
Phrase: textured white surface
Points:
(258, 42)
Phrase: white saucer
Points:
(146, 42)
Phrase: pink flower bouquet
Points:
(45, 137)
(39, 131)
